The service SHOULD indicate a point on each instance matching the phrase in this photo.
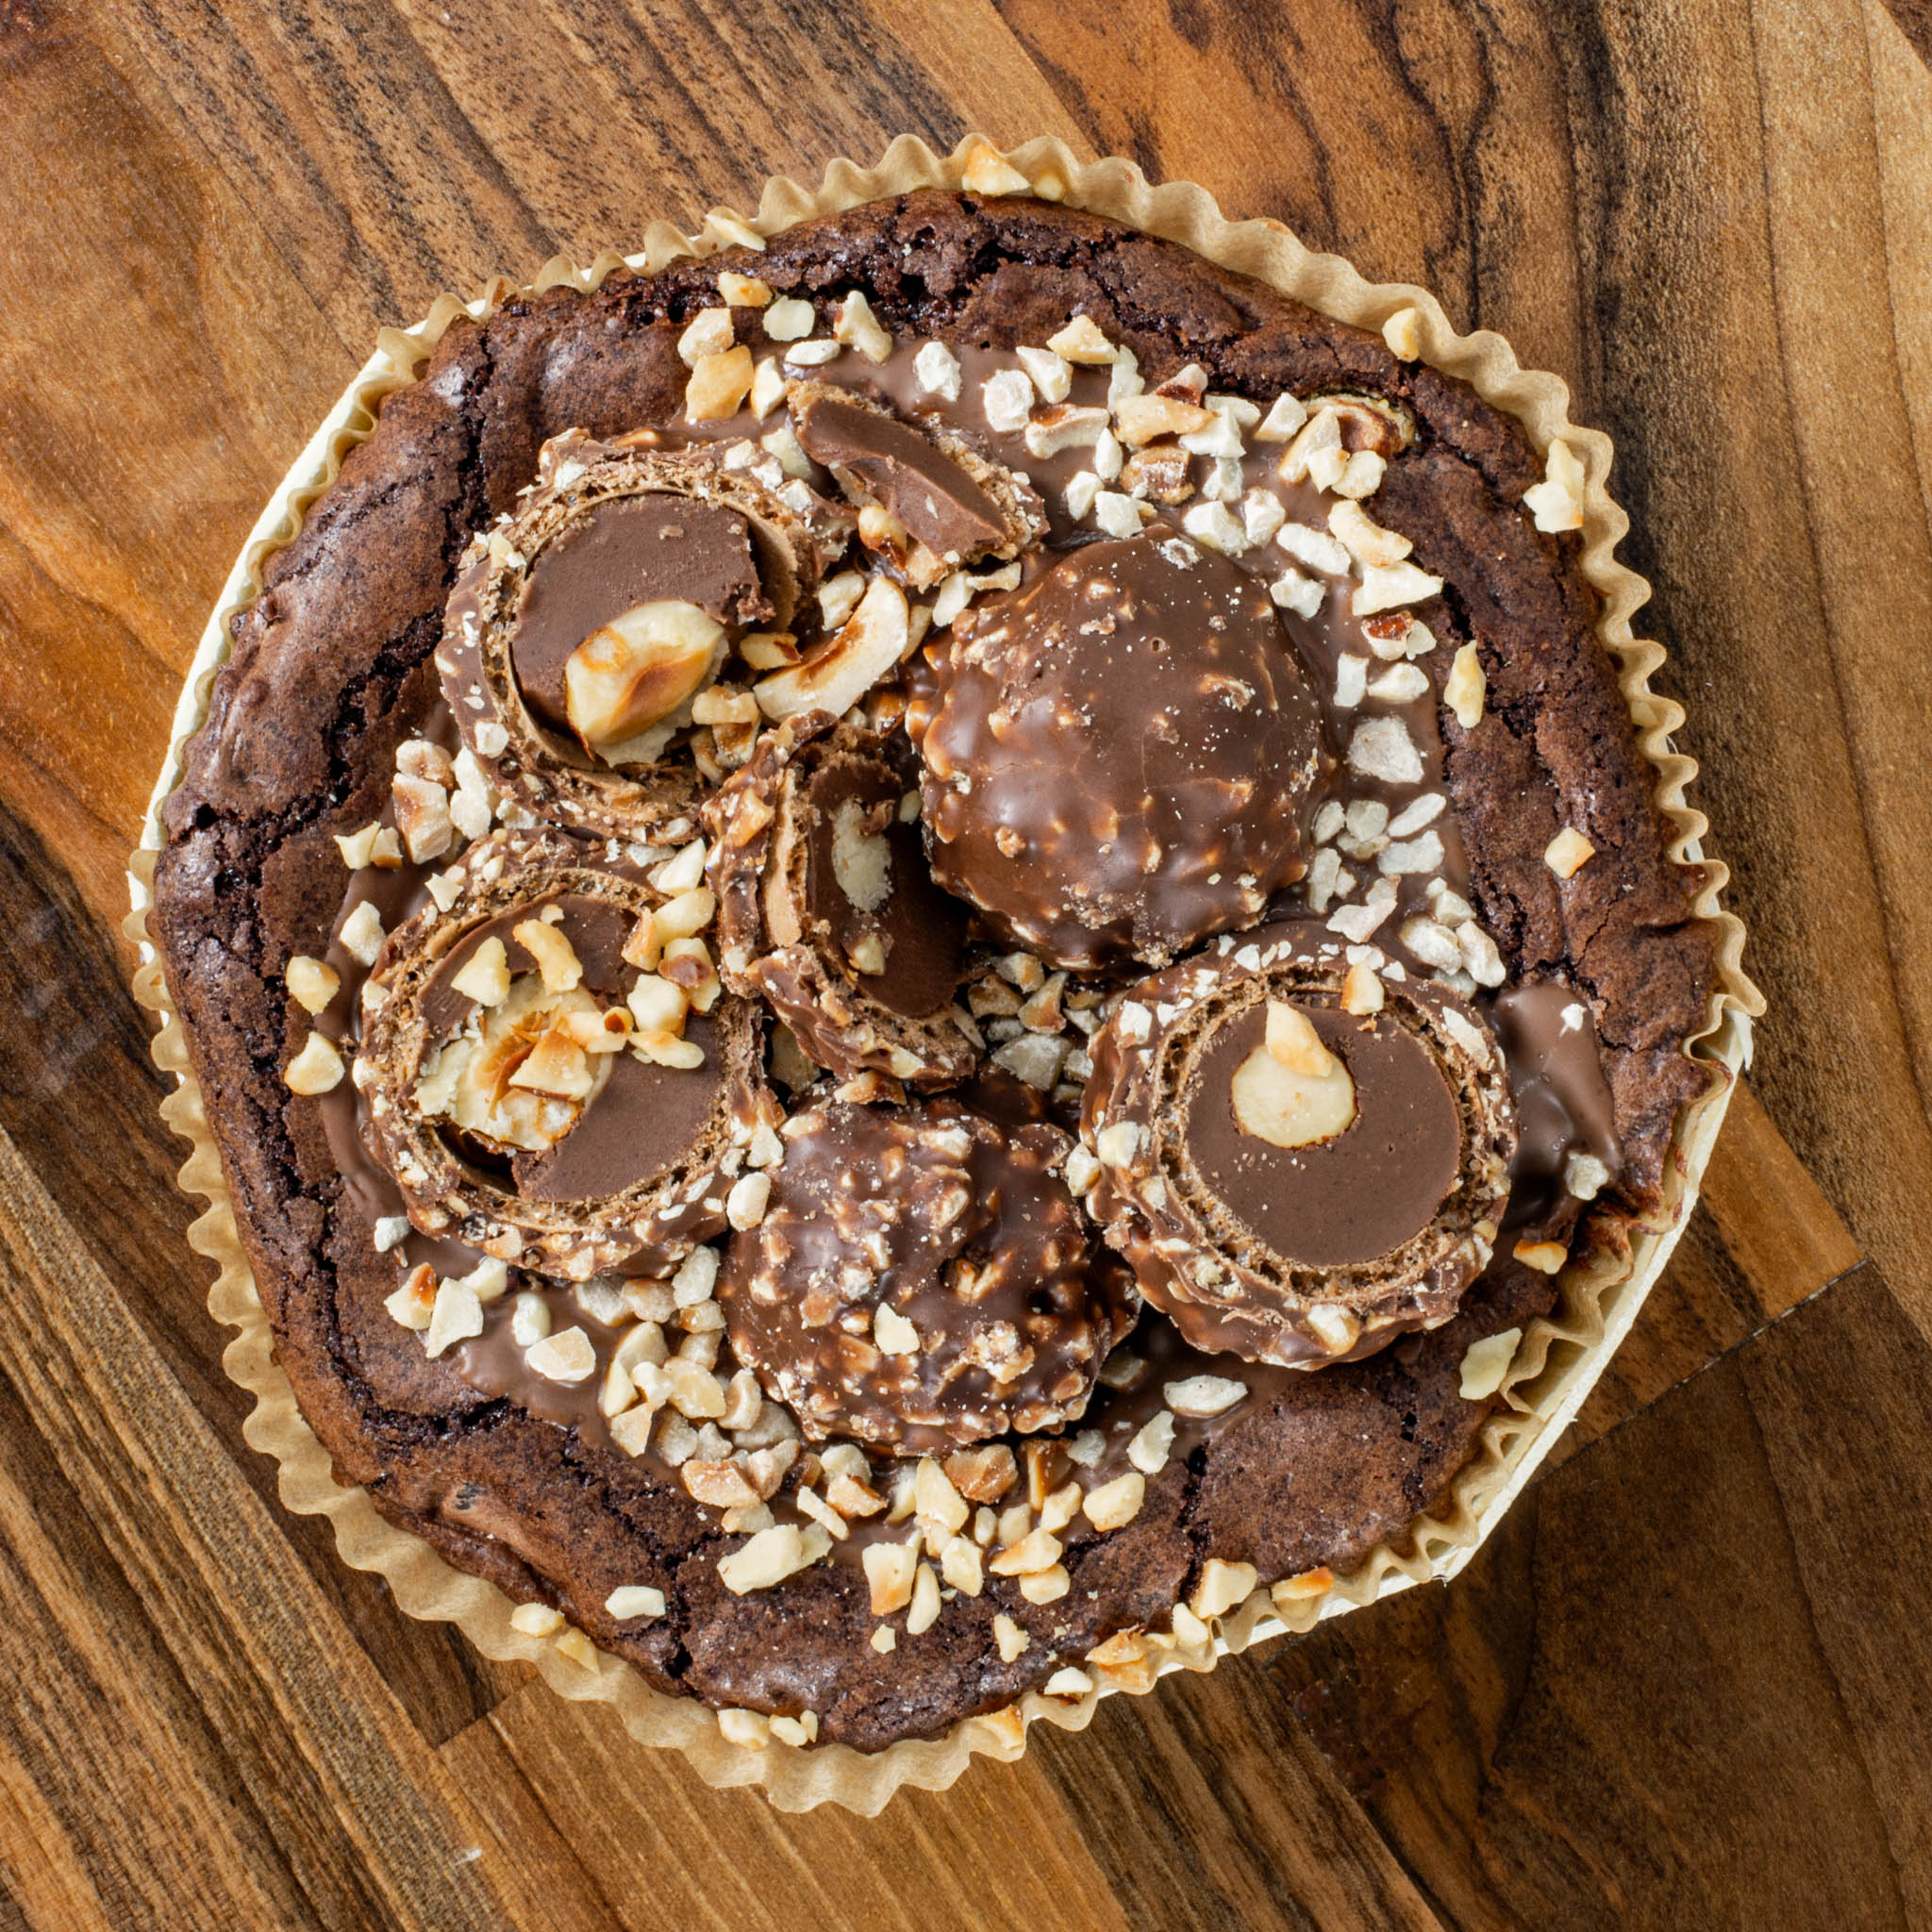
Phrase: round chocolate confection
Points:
(513, 1099)
(1299, 1161)
(827, 909)
(1119, 754)
(921, 1280)
(583, 631)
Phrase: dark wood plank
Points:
(1210, 1808)
(159, 377)
(1002, 1848)
(1685, 1684)
(370, 1826)
(80, 1079)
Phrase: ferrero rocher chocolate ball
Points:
(1119, 754)
(921, 1278)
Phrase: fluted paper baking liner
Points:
(1558, 1360)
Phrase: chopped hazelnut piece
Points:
(1153, 1445)
(1140, 420)
(1112, 1506)
(579, 1649)
(867, 645)
(1082, 341)
(987, 172)
(311, 984)
(1046, 1586)
(708, 333)
(772, 1556)
(1465, 687)
(1310, 1583)
(889, 1572)
(555, 957)
(1557, 502)
(1547, 1257)
(1292, 1040)
(855, 324)
(634, 1600)
(568, 1357)
(422, 808)
(1038, 1550)
(536, 1620)
(1221, 1587)
(1202, 1396)
(923, 1612)
(719, 384)
(751, 1730)
(485, 974)
(1568, 853)
(317, 1069)
(742, 292)
(1365, 538)
(1403, 332)
(960, 1565)
(1361, 990)
(745, 1207)
(361, 934)
(357, 848)
(1485, 1363)
(797, 1731)
(1013, 1641)
(1387, 588)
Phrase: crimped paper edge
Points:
(1559, 1359)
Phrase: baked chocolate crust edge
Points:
(330, 674)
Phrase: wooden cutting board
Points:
(1690, 1682)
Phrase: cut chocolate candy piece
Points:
(1120, 755)
(827, 907)
(953, 505)
(626, 553)
(1289, 1180)
(529, 1093)
(583, 632)
(921, 1278)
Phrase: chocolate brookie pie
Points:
(896, 942)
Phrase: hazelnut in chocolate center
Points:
(625, 617)
(1300, 1157)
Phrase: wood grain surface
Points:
(1689, 1681)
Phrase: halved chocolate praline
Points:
(1361, 1207)
(582, 632)
(612, 1160)
(921, 1280)
(1120, 755)
(827, 908)
(942, 504)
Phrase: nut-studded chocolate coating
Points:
(522, 750)
(921, 1280)
(1311, 1254)
(865, 984)
(646, 1182)
(1119, 753)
